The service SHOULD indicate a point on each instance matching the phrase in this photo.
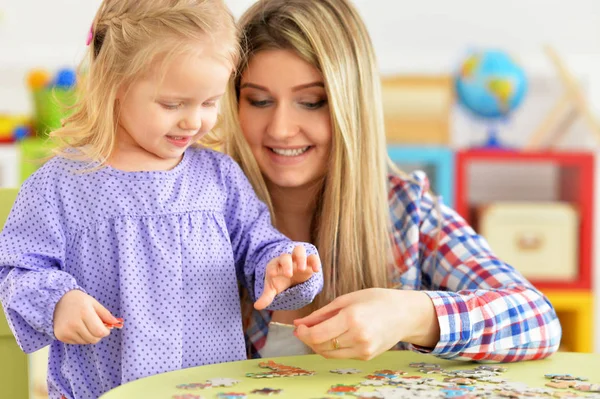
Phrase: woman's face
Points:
(284, 115)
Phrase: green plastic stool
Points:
(13, 362)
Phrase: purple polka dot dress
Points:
(164, 250)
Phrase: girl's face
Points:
(284, 115)
(166, 111)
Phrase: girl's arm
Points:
(32, 252)
(255, 242)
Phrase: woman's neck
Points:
(295, 209)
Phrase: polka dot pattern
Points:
(164, 250)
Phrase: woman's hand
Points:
(366, 323)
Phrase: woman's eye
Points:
(313, 105)
(259, 103)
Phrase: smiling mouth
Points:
(286, 152)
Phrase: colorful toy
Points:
(14, 128)
(52, 98)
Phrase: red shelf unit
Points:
(576, 185)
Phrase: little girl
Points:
(130, 220)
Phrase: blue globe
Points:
(490, 84)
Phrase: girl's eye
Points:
(210, 104)
(171, 106)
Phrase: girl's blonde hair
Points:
(351, 225)
(129, 38)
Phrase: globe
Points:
(490, 85)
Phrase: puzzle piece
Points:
(342, 389)
(495, 369)
(459, 380)
(231, 395)
(369, 395)
(118, 324)
(222, 382)
(422, 365)
(267, 391)
(431, 371)
(346, 371)
(194, 386)
(564, 377)
(279, 370)
(187, 396)
(492, 380)
(390, 373)
(587, 387)
(561, 384)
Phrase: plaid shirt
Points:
(486, 310)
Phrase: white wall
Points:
(423, 36)
(428, 36)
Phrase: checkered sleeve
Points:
(487, 311)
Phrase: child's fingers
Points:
(76, 339)
(95, 326)
(71, 338)
(299, 258)
(104, 314)
(314, 263)
(266, 298)
(87, 336)
(284, 266)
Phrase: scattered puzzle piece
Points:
(231, 395)
(587, 387)
(564, 377)
(186, 396)
(369, 395)
(373, 383)
(346, 371)
(279, 370)
(558, 384)
(421, 365)
(267, 391)
(194, 386)
(390, 373)
(495, 369)
(342, 389)
(222, 382)
(566, 395)
(459, 380)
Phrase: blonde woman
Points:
(129, 220)
(304, 119)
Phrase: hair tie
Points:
(90, 35)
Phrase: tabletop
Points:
(389, 375)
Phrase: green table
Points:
(164, 386)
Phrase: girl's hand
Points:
(366, 323)
(79, 319)
(286, 271)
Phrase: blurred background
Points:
(498, 101)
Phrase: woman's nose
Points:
(283, 123)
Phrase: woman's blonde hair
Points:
(351, 225)
(129, 38)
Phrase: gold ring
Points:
(335, 344)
